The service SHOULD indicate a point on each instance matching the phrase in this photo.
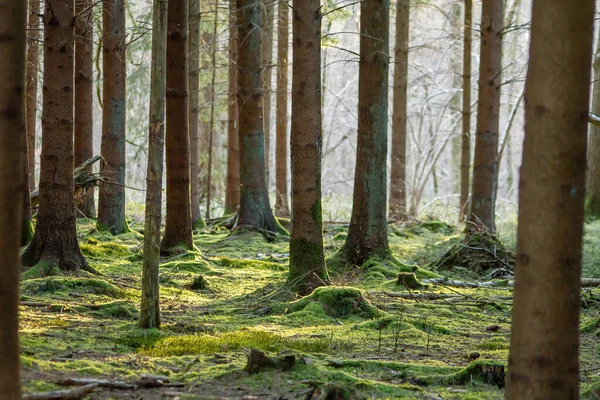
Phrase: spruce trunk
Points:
(593, 152)
(281, 145)
(33, 62)
(267, 61)
(232, 191)
(465, 156)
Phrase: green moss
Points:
(106, 250)
(79, 285)
(255, 264)
(199, 283)
(317, 212)
(41, 270)
(496, 343)
(590, 326)
(195, 266)
(26, 232)
(116, 309)
(338, 302)
(340, 236)
(133, 336)
(308, 259)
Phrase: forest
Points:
(299, 199)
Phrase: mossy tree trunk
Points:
(211, 125)
(267, 60)
(465, 156)
(307, 262)
(33, 62)
(399, 113)
(178, 228)
(485, 170)
(84, 102)
(367, 235)
(55, 238)
(232, 190)
(150, 310)
(593, 152)
(281, 145)
(111, 198)
(12, 140)
(544, 360)
(255, 210)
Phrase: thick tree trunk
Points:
(150, 310)
(178, 228)
(12, 138)
(111, 200)
(593, 152)
(367, 235)
(544, 357)
(211, 126)
(84, 102)
(465, 157)
(55, 238)
(232, 190)
(281, 145)
(485, 170)
(255, 210)
(33, 62)
(307, 262)
(267, 61)
(398, 173)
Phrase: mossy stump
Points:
(409, 280)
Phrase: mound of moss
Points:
(104, 250)
(119, 309)
(79, 285)
(433, 225)
(337, 302)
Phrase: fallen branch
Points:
(98, 382)
(594, 119)
(68, 394)
(421, 296)
(453, 283)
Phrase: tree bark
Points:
(307, 262)
(485, 170)
(150, 310)
(84, 98)
(367, 235)
(27, 220)
(456, 53)
(281, 145)
(33, 62)
(211, 126)
(544, 360)
(111, 199)
(400, 100)
(465, 156)
(255, 210)
(232, 191)
(178, 228)
(55, 238)
(267, 61)
(593, 152)
(12, 140)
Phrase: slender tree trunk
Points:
(27, 221)
(307, 262)
(33, 33)
(455, 21)
(55, 238)
(111, 200)
(544, 357)
(465, 157)
(367, 235)
(12, 136)
(211, 127)
(84, 98)
(255, 210)
(150, 310)
(485, 170)
(398, 173)
(267, 61)
(593, 152)
(232, 191)
(178, 228)
(281, 145)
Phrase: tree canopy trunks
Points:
(55, 238)
(367, 235)
(281, 146)
(232, 191)
(593, 152)
(33, 62)
(267, 62)
(544, 357)
(485, 170)
(399, 113)
(465, 156)
(111, 200)
(307, 262)
(178, 228)
(150, 310)
(12, 140)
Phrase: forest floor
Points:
(230, 297)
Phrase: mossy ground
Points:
(375, 345)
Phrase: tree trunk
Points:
(456, 53)
(178, 228)
(543, 361)
(84, 101)
(111, 200)
(465, 157)
(232, 191)
(485, 170)
(211, 126)
(27, 221)
(267, 61)
(307, 262)
(281, 145)
(150, 310)
(255, 210)
(12, 136)
(593, 152)
(367, 235)
(55, 238)
(398, 173)
(33, 33)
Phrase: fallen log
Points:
(67, 394)
(421, 296)
(98, 382)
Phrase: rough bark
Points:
(178, 228)
(267, 60)
(150, 310)
(485, 169)
(399, 114)
(211, 126)
(593, 152)
(84, 101)
(12, 138)
(55, 238)
(307, 262)
(111, 199)
(33, 62)
(232, 190)
(281, 117)
(465, 157)
(255, 210)
(543, 361)
(27, 219)
(367, 235)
